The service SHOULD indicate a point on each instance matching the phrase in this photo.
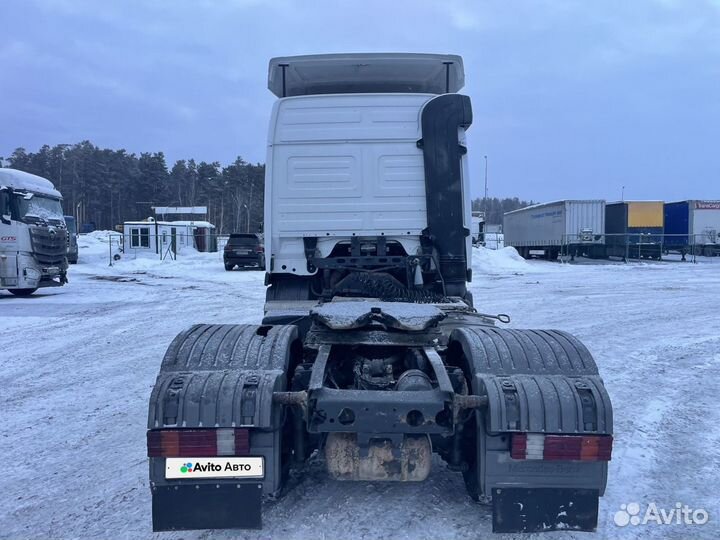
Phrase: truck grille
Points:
(49, 245)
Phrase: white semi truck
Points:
(33, 234)
(371, 353)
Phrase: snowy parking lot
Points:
(79, 363)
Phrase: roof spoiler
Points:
(362, 73)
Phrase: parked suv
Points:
(244, 250)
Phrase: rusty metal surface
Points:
(345, 460)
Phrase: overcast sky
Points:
(571, 99)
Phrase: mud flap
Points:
(207, 506)
(543, 509)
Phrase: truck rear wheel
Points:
(22, 292)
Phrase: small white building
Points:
(167, 238)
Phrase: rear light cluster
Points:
(561, 447)
(198, 442)
(259, 249)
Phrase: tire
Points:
(229, 267)
(22, 292)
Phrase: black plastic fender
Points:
(536, 381)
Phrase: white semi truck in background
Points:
(33, 234)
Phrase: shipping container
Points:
(574, 226)
(634, 229)
(693, 226)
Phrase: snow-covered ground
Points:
(78, 364)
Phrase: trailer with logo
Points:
(545, 230)
(693, 226)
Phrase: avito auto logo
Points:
(214, 467)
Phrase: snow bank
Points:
(500, 261)
(93, 247)
(97, 249)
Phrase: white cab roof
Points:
(27, 182)
(364, 73)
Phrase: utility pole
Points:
(486, 193)
(622, 194)
(486, 203)
(247, 215)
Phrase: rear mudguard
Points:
(221, 376)
(536, 381)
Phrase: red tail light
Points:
(228, 247)
(198, 442)
(561, 447)
(260, 249)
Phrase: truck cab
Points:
(33, 233)
(357, 175)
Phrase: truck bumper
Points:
(243, 260)
(31, 275)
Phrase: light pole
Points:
(486, 194)
(622, 194)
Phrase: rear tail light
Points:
(198, 442)
(561, 447)
(228, 247)
(260, 249)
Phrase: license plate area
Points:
(242, 252)
(217, 467)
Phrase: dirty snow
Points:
(79, 363)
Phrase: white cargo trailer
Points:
(573, 226)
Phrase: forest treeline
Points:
(107, 187)
(494, 208)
